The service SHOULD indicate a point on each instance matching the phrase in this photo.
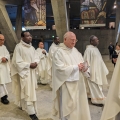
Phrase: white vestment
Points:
(4, 71)
(42, 65)
(112, 104)
(98, 72)
(69, 92)
(52, 49)
(24, 82)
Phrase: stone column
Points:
(18, 26)
(60, 17)
(7, 30)
(68, 13)
(117, 20)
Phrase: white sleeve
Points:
(7, 55)
(1, 59)
(23, 74)
(74, 76)
(37, 60)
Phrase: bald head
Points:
(1, 35)
(2, 39)
(70, 39)
(94, 40)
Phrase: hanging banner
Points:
(93, 13)
(35, 14)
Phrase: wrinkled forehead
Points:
(71, 36)
(1, 37)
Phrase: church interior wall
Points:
(104, 36)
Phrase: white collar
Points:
(25, 44)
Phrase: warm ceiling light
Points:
(115, 6)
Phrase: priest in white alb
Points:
(4, 70)
(23, 72)
(42, 64)
(111, 109)
(52, 49)
(69, 92)
(98, 72)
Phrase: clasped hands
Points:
(4, 60)
(82, 67)
(43, 52)
(33, 65)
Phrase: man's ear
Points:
(91, 41)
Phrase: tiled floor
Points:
(44, 97)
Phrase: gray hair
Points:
(67, 34)
(91, 38)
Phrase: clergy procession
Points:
(76, 81)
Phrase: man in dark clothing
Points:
(111, 49)
(115, 54)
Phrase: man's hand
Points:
(81, 66)
(4, 60)
(43, 52)
(33, 65)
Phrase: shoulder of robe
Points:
(18, 45)
(89, 49)
(75, 49)
(33, 47)
(50, 47)
(58, 52)
(4, 46)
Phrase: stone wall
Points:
(104, 36)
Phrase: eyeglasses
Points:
(2, 39)
(73, 40)
(76, 40)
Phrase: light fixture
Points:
(111, 25)
(115, 6)
(81, 27)
(23, 29)
(53, 27)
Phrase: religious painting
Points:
(35, 14)
(93, 13)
